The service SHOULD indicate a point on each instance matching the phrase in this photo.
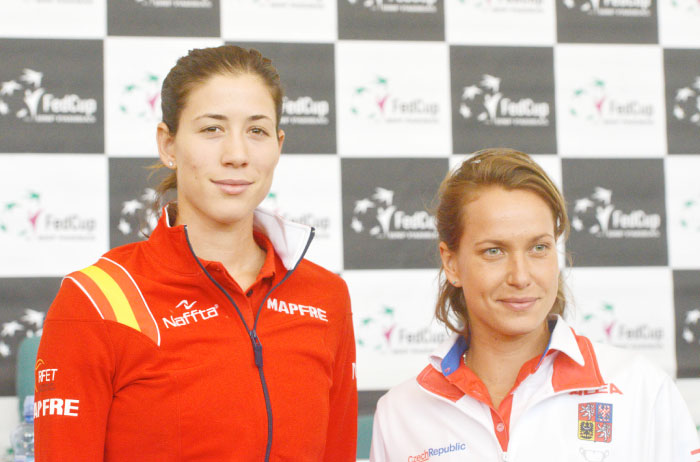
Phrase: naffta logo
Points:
(176, 3)
(379, 217)
(691, 326)
(607, 8)
(34, 103)
(304, 110)
(399, 6)
(138, 216)
(597, 215)
(27, 218)
(381, 332)
(438, 451)
(375, 100)
(141, 98)
(593, 102)
(488, 105)
(686, 103)
(604, 325)
(191, 314)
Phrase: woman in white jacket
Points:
(515, 382)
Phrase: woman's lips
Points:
(519, 303)
(232, 186)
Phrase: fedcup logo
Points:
(691, 326)
(593, 102)
(596, 214)
(141, 98)
(604, 325)
(608, 8)
(375, 331)
(19, 217)
(374, 100)
(320, 223)
(138, 215)
(686, 6)
(175, 3)
(686, 103)
(25, 218)
(381, 331)
(690, 214)
(28, 100)
(28, 325)
(488, 105)
(378, 216)
(398, 6)
(304, 110)
(501, 6)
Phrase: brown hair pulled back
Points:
(502, 167)
(196, 68)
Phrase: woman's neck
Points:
(232, 244)
(497, 360)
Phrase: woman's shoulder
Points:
(313, 271)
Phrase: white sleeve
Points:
(673, 434)
(377, 451)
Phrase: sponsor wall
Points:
(382, 97)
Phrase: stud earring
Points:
(171, 163)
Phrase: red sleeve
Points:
(73, 380)
(341, 439)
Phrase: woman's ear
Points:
(449, 265)
(165, 143)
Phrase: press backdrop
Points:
(383, 96)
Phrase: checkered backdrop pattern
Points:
(382, 97)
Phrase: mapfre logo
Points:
(398, 6)
(376, 100)
(297, 309)
(176, 3)
(26, 99)
(378, 216)
(596, 214)
(611, 8)
(304, 110)
(488, 105)
(137, 215)
(190, 314)
(594, 102)
(26, 218)
(686, 103)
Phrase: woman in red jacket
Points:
(214, 340)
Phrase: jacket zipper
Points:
(255, 341)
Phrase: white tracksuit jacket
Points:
(579, 402)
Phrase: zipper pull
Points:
(504, 456)
(257, 349)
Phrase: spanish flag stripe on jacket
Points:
(114, 294)
(139, 309)
(95, 293)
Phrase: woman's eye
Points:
(494, 251)
(258, 131)
(540, 248)
(211, 129)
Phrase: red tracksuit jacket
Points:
(144, 358)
